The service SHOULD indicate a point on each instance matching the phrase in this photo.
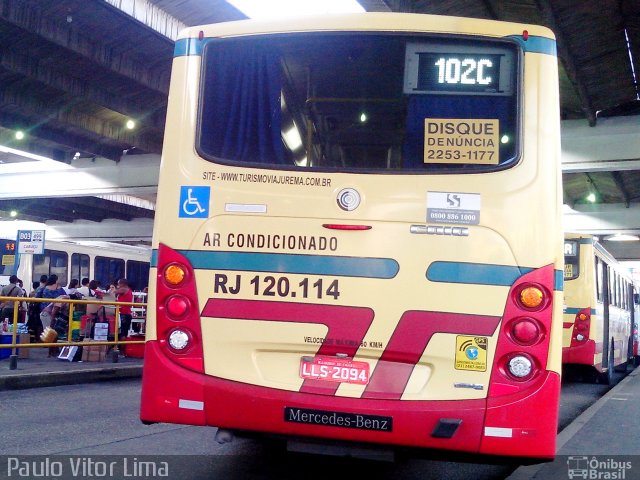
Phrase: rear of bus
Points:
(358, 234)
(599, 308)
(582, 315)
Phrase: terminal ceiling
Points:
(72, 72)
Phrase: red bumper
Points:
(580, 355)
(518, 425)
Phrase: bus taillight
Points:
(177, 317)
(525, 331)
(521, 366)
(174, 275)
(532, 297)
(523, 346)
(177, 306)
(581, 326)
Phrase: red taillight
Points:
(340, 226)
(177, 306)
(526, 331)
(177, 317)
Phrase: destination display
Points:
(458, 69)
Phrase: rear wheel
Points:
(606, 378)
(622, 368)
(633, 359)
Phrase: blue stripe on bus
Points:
(188, 46)
(483, 274)
(289, 263)
(535, 44)
(558, 281)
(574, 311)
(475, 273)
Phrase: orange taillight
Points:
(531, 297)
(174, 274)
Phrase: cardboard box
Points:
(24, 352)
(93, 353)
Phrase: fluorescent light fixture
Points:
(292, 138)
(622, 237)
(37, 163)
(274, 9)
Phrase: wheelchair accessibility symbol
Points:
(194, 202)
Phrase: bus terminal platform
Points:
(605, 438)
(41, 370)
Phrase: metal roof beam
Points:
(84, 177)
(108, 230)
(150, 15)
(29, 107)
(617, 179)
(150, 110)
(602, 219)
(374, 5)
(548, 13)
(54, 135)
(27, 16)
(612, 145)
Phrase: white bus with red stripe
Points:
(358, 235)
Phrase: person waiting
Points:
(124, 294)
(84, 289)
(11, 290)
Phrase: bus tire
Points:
(606, 378)
(622, 368)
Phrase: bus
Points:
(102, 261)
(360, 238)
(600, 310)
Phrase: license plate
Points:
(334, 369)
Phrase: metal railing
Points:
(116, 342)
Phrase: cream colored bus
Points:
(358, 236)
(599, 312)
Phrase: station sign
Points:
(31, 241)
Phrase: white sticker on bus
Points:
(453, 208)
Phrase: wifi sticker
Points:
(471, 353)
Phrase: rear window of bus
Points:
(360, 102)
